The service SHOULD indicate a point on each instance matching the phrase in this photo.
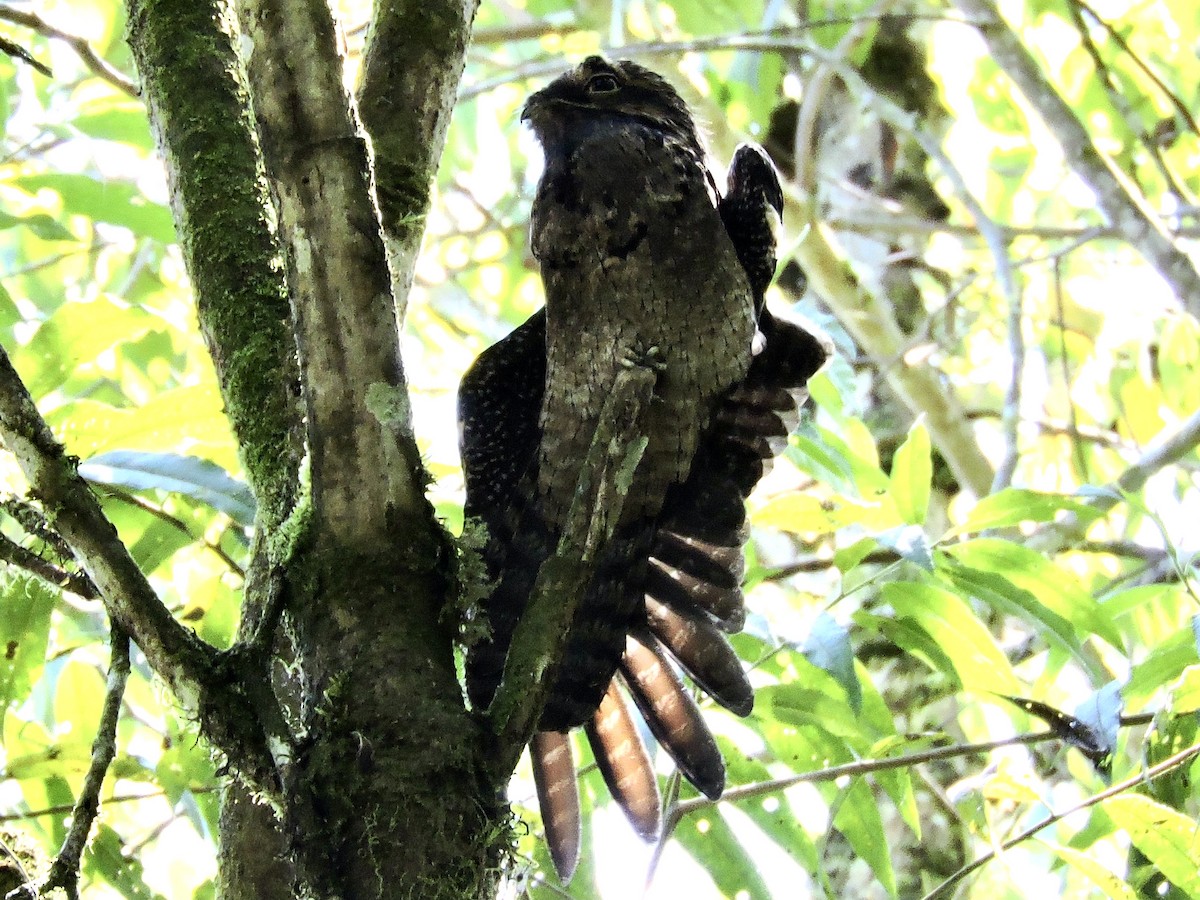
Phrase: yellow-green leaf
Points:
(1169, 839)
(912, 473)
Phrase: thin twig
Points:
(670, 800)
(1180, 107)
(175, 522)
(1126, 210)
(82, 48)
(1122, 105)
(993, 235)
(64, 871)
(1065, 364)
(23, 558)
(60, 808)
(1173, 762)
(1168, 449)
(31, 519)
(858, 767)
(792, 39)
(16, 51)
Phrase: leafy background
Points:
(896, 608)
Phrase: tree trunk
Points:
(380, 784)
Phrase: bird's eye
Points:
(602, 84)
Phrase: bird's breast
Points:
(637, 267)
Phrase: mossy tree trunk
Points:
(366, 776)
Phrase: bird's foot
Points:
(643, 358)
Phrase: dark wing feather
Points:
(499, 400)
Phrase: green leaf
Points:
(1169, 839)
(1014, 506)
(68, 758)
(910, 638)
(814, 699)
(200, 479)
(1179, 362)
(1032, 572)
(26, 604)
(828, 648)
(77, 333)
(122, 122)
(912, 475)
(859, 820)
(877, 718)
(770, 813)
(998, 591)
(1107, 881)
(78, 697)
(708, 837)
(846, 558)
(40, 224)
(1185, 692)
(976, 662)
(191, 417)
(113, 202)
(825, 463)
(1125, 602)
(106, 853)
(1162, 665)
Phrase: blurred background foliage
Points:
(904, 598)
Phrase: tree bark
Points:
(385, 787)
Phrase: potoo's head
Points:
(597, 90)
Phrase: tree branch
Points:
(994, 236)
(858, 767)
(191, 668)
(407, 92)
(82, 48)
(1125, 210)
(177, 524)
(199, 112)
(1141, 778)
(64, 871)
(1165, 451)
(23, 558)
(358, 419)
(874, 329)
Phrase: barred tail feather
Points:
(558, 798)
(672, 715)
(623, 761)
(704, 653)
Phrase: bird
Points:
(644, 262)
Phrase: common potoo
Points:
(643, 263)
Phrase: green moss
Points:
(403, 191)
(390, 405)
(471, 584)
(202, 116)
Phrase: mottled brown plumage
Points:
(640, 267)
